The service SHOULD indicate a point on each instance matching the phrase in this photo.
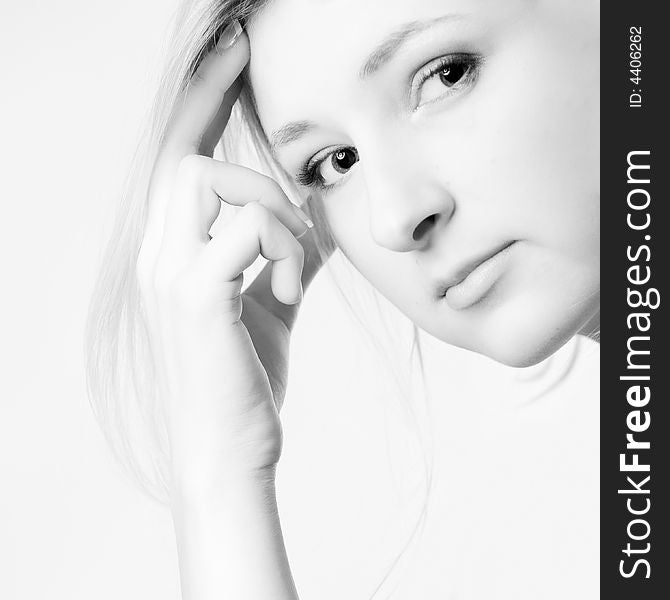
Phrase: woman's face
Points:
(455, 146)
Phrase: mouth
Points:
(475, 279)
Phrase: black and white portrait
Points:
(308, 300)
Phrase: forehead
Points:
(306, 54)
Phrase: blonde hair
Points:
(121, 377)
(120, 370)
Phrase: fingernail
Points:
(229, 35)
(303, 215)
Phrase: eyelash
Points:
(472, 62)
(308, 174)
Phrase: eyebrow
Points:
(378, 58)
(389, 47)
(290, 133)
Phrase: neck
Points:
(591, 328)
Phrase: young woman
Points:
(448, 148)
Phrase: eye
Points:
(446, 77)
(336, 164)
(327, 170)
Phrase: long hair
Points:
(120, 368)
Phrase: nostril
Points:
(424, 227)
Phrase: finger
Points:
(203, 108)
(255, 231)
(315, 254)
(314, 257)
(261, 289)
(200, 184)
(196, 123)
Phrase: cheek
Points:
(347, 219)
(541, 141)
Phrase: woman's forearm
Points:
(230, 544)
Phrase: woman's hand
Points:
(222, 355)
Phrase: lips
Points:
(474, 278)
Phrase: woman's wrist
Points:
(193, 491)
(229, 533)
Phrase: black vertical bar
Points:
(635, 113)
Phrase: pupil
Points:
(452, 74)
(344, 159)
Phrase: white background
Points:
(514, 507)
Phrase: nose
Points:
(407, 205)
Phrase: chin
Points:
(526, 333)
(528, 350)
